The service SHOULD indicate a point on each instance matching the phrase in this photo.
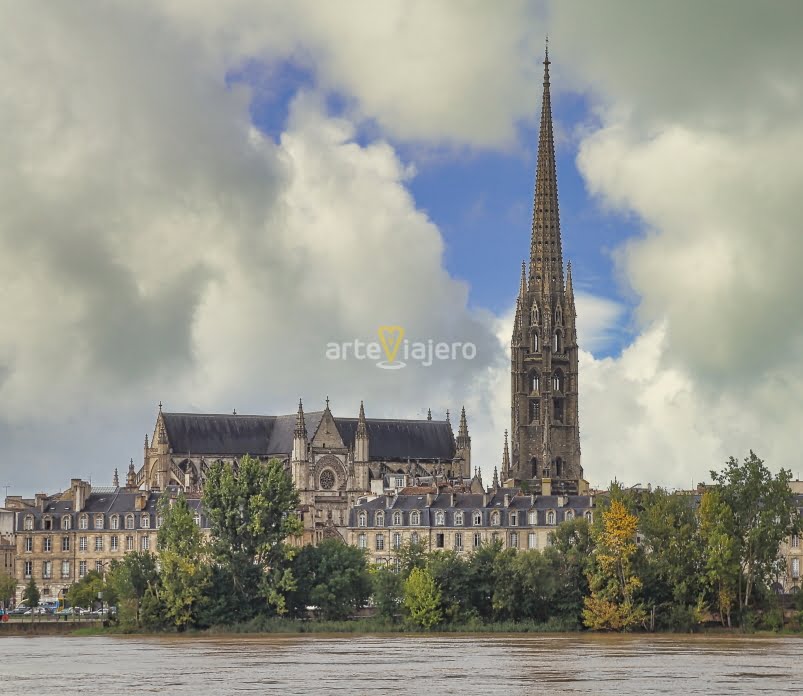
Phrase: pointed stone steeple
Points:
(463, 429)
(544, 434)
(116, 479)
(463, 443)
(569, 286)
(546, 255)
(505, 460)
(131, 479)
(361, 437)
(300, 435)
(495, 483)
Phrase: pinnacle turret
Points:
(301, 426)
(116, 479)
(463, 429)
(505, 460)
(362, 427)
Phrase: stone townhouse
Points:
(461, 522)
(61, 538)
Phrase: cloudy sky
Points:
(195, 197)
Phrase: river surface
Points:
(396, 664)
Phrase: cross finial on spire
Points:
(160, 405)
(327, 402)
(429, 414)
(447, 416)
(234, 412)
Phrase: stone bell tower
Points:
(545, 430)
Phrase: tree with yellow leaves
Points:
(612, 605)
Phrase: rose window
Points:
(327, 479)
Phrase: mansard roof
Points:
(236, 435)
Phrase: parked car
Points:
(70, 611)
(19, 611)
(36, 611)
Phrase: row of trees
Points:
(653, 560)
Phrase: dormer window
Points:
(477, 519)
(145, 521)
(66, 522)
(114, 522)
(129, 521)
(440, 518)
(550, 517)
(361, 519)
(495, 518)
(83, 522)
(98, 521)
(415, 518)
(532, 517)
(379, 519)
(397, 518)
(458, 518)
(514, 519)
(569, 515)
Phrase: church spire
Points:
(301, 426)
(505, 460)
(362, 428)
(546, 255)
(463, 429)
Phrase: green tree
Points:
(482, 578)
(569, 555)
(387, 591)
(672, 559)
(422, 599)
(129, 579)
(84, 593)
(410, 555)
(182, 573)
(720, 548)
(453, 576)
(764, 514)
(613, 604)
(331, 576)
(252, 513)
(526, 588)
(30, 595)
(8, 588)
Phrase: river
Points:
(396, 664)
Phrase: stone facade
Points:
(61, 538)
(461, 522)
(545, 429)
(332, 460)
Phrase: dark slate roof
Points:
(217, 434)
(395, 439)
(469, 502)
(111, 501)
(198, 433)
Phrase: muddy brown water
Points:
(396, 664)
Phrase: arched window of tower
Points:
(558, 381)
(558, 467)
(534, 385)
(534, 467)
